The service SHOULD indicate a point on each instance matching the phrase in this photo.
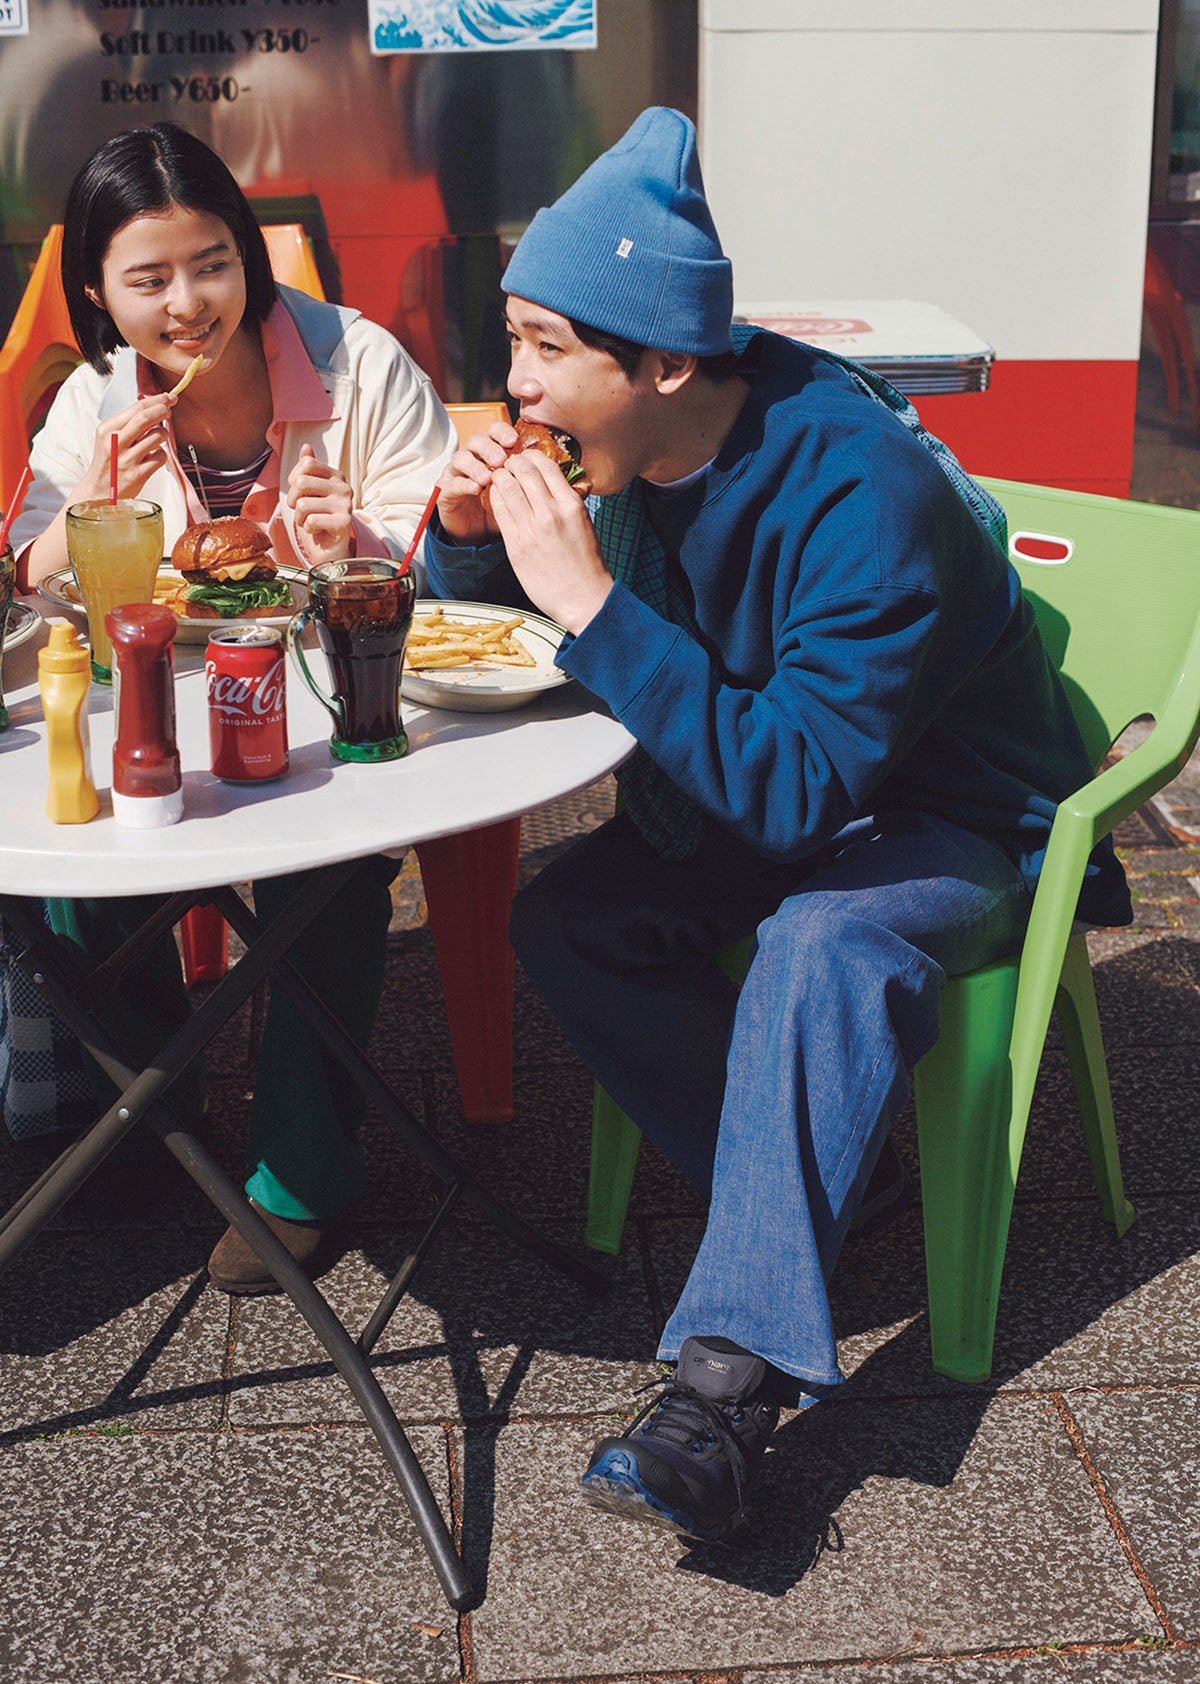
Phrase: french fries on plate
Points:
(169, 590)
(439, 640)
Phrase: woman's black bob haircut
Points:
(147, 171)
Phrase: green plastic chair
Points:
(1116, 589)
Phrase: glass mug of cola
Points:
(361, 610)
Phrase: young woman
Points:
(305, 418)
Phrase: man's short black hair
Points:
(140, 172)
(627, 354)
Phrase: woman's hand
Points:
(467, 474)
(323, 505)
(141, 431)
(550, 540)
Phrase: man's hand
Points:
(467, 474)
(323, 505)
(550, 541)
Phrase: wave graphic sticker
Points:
(441, 26)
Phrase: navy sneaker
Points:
(685, 1461)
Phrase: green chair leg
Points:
(963, 1105)
(615, 1145)
(1079, 1023)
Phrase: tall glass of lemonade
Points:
(115, 551)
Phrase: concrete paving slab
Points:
(1144, 1664)
(1147, 987)
(488, 1329)
(876, 1520)
(139, 1186)
(96, 1332)
(1144, 1446)
(538, 1163)
(215, 1558)
(1077, 1305)
(1160, 1147)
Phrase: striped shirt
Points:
(223, 491)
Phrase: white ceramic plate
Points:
(23, 622)
(60, 589)
(486, 687)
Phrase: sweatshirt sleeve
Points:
(784, 765)
(463, 573)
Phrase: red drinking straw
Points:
(411, 551)
(112, 469)
(14, 508)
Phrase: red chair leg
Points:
(204, 935)
(469, 884)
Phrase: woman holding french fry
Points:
(229, 395)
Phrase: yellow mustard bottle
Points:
(64, 675)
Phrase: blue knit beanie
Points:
(631, 248)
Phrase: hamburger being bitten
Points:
(230, 572)
(560, 447)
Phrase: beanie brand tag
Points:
(625, 247)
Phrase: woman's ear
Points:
(94, 297)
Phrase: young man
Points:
(850, 740)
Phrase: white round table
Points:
(463, 770)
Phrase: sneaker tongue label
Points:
(719, 1374)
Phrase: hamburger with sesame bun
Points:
(560, 447)
(230, 572)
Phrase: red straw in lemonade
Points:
(411, 551)
(14, 508)
(112, 469)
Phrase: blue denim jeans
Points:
(775, 1100)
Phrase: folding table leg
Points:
(140, 1098)
(346, 1355)
(427, 1147)
(66, 985)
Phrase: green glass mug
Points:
(361, 611)
(8, 581)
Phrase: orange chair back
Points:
(475, 417)
(291, 255)
(38, 354)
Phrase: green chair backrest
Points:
(1119, 613)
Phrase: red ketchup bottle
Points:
(147, 787)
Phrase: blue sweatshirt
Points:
(861, 644)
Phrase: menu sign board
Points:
(287, 91)
(169, 55)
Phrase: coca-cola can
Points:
(247, 704)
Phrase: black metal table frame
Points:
(74, 992)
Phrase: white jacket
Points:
(379, 422)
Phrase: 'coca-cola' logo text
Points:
(252, 695)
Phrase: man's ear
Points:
(673, 369)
